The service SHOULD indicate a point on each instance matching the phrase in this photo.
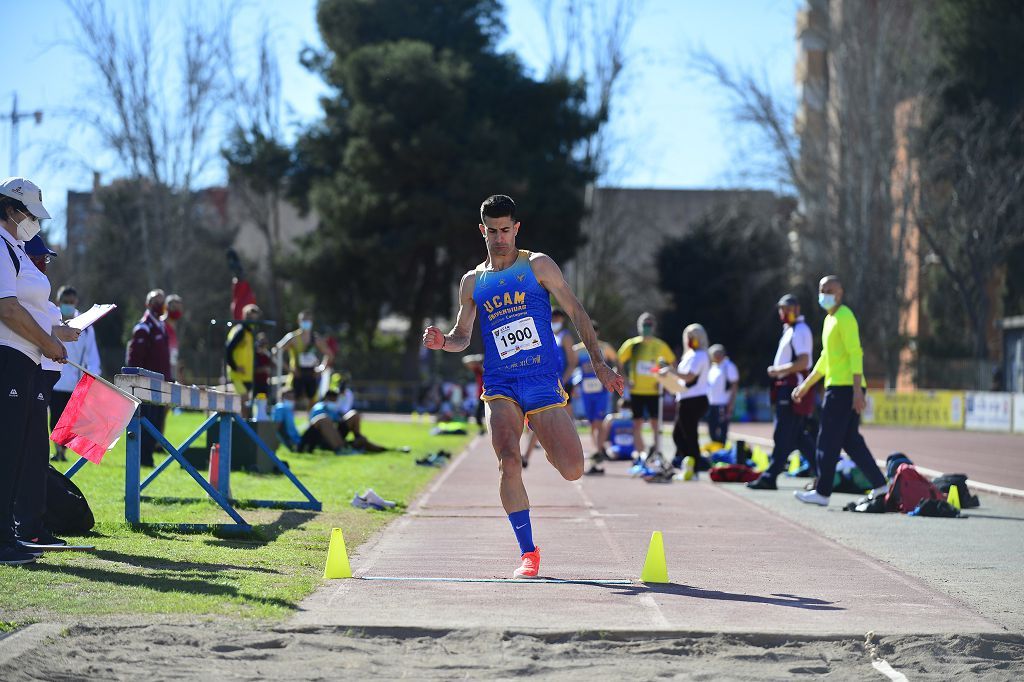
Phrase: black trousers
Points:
(18, 377)
(158, 415)
(791, 433)
(718, 423)
(840, 430)
(689, 412)
(30, 500)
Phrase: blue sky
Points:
(671, 127)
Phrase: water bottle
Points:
(259, 407)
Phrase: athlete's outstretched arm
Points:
(550, 276)
(457, 340)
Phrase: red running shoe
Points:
(531, 564)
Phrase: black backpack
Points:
(947, 481)
(67, 510)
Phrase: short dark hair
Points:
(557, 311)
(7, 203)
(498, 206)
(66, 290)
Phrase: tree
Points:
(157, 121)
(727, 273)
(258, 159)
(588, 43)
(428, 119)
(970, 152)
(845, 172)
(971, 207)
(157, 107)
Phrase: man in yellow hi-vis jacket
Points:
(842, 365)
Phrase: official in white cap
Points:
(27, 335)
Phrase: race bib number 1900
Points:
(516, 336)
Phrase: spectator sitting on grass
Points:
(331, 421)
(284, 416)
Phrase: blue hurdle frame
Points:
(221, 494)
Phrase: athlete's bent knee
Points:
(510, 465)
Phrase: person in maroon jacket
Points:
(149, 348)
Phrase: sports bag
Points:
(909, 489)
(733, 473)
(67, 510)
(947, 481)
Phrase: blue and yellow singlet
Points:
(515, 322)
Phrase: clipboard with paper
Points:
(90, 316)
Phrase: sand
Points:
(217, 650)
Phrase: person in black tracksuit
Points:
(792, 363)
(25, 338)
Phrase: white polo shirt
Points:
(796, 340)
(32, 290)
(720, 376)
(695, 362)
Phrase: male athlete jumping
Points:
(512, 291)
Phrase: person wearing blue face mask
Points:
(83, 351)
(308, 357)
(29, 332)
(841, 364)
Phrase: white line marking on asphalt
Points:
(370, 555)
(986, 487)
(647, 599)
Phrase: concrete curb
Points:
(24, 640)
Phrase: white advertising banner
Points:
(988, 411)
(1018, 412)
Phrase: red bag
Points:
(734, 473)
(908, 489)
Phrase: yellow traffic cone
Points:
(794, 463)
(953, 496)
(337, 557)
(655, 568)
(760, 458)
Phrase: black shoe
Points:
(594, 471)
(42, 541)
(763, 483)
(11, 555)
(526, 462)
(59, 457)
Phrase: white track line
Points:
(986, 487)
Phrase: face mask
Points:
(827, 301)
(28, 227)
(647, 329)
(306, 325)
(174, 314)
(627, 414)
(67, 310)
(556, 327)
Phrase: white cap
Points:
(28, 193)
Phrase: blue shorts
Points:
(595, 405)
(531, 393)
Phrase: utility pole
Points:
(16, 117)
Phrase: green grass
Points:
(263, 574)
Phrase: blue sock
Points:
(520, 521)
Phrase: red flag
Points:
(94, 418)
(241, 296)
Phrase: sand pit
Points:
(215, 650)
